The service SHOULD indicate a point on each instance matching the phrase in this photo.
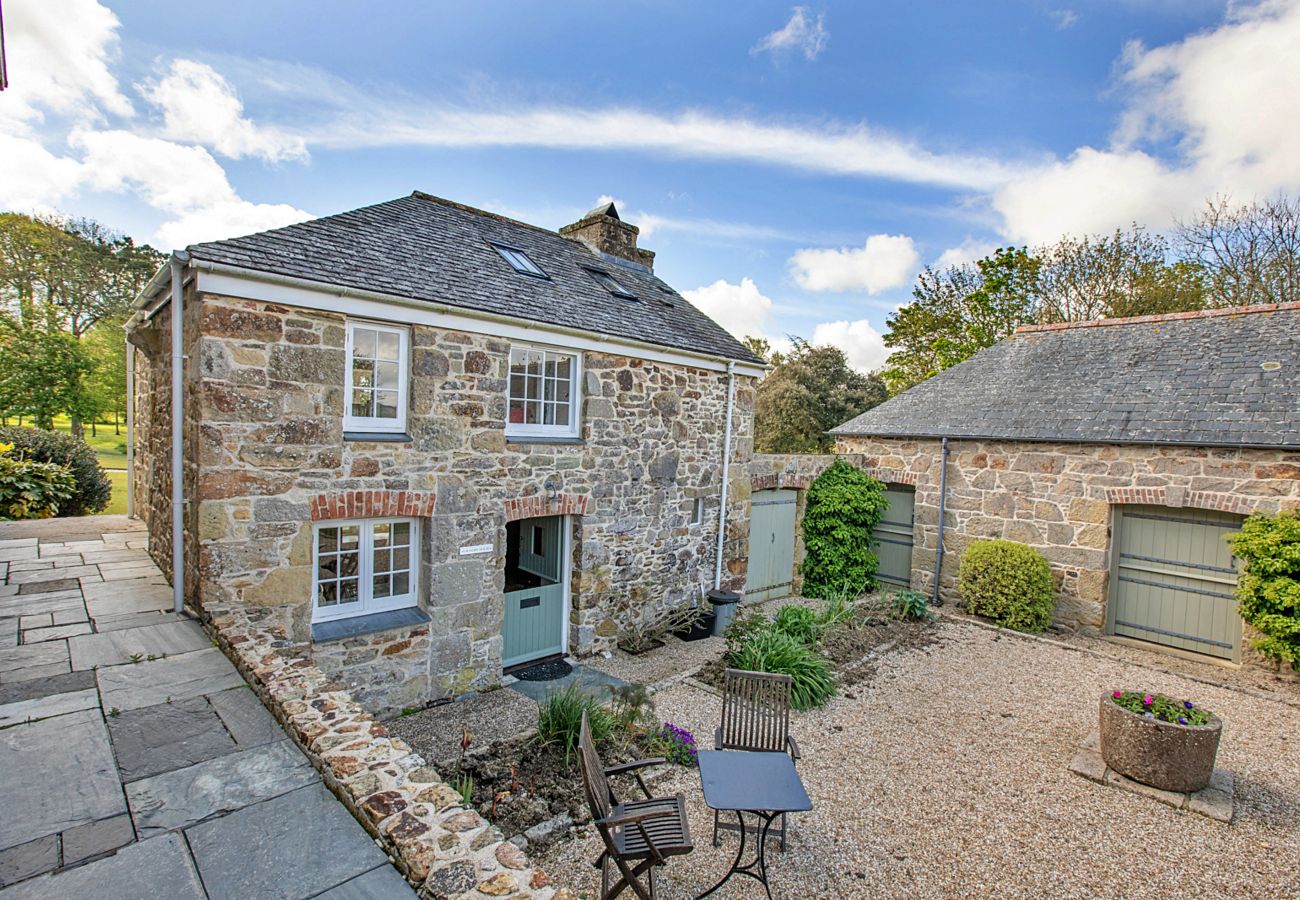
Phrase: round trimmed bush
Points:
(93, 489)
(1009, 583)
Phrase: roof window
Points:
(611, 284)
(519, 260)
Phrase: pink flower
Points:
(1148, 700)
(1117, 694)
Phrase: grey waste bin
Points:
(724, 608)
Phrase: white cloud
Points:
(861, 343)
(967, 251)
(802, 33)
(1065, 19)
(886, 261)
(200, 106)
(1224, 99)
(34, 179)
(741, 308)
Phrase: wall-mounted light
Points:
(551, 489)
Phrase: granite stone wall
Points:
(1060, 498)
(268, 450)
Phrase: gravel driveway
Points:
(945, 775)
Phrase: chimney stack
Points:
(604, 233)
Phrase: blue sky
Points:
(792, 165)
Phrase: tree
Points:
(810, 391)
(762, 348)
(42, 373)
(1250, 253)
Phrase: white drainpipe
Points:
(726, 472)
(130, 429)
(178, 418)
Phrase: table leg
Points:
(760, 858)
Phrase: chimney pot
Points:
(603, 232)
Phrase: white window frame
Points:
(574, 428)
(375, 423)
(367, 604)
(697, 512)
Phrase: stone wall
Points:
(1059, 498)
(268, 382)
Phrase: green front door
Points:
(1172, 579)
(534, 616)
(771, 545)
(894, 538)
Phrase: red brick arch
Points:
(535, 505)
(370, 504)
(1177, 497)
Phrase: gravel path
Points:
(945, 775)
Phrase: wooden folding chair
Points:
(755, 716)
(638, 835)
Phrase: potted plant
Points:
(1167, 743)
(693, 622)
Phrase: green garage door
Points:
(771, 545)
(894, 537)
(1172, 579)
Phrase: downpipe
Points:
(726, 474)
(943, 496)
(178, 261)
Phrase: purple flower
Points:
(1148, 716)
(1148, 700)
(1182, 720)
(1187, 704)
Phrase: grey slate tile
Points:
(47, 707)
(33, 661)
(167, 736)
(380, 883)
(274, 849)
(115, 648)
(174, 678)
(31, 858)
(44, 687)
(158, 868)
(181, 798)
(247, 720)
(96, 838)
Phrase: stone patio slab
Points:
(167, 736)
(115, 648)
(49, 587)
(290, 847)
(96, 838)
(380, 883)
(56, 684)
(38, 604)
(122, 599)
(31, 858)
(34, 661)
(246, 718)
(186, 796)
(158, 868)
(47, 707)
(175, 678)
(105, 624)
(53, 574)
(55, 632)
(68, 777)
(1214, 801)
(70, 615)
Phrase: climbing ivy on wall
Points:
(844, 506)
(1268, 594)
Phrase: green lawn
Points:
(116, 505)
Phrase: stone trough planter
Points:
(1163, 755)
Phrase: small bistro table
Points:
(761, 784)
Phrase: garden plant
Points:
(1009, 583)
(1158, 706)
(844, 505)
(30, 489)
(1268, 593)
(91, 489)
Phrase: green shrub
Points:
(747, 623)
(844, 505)
(799, 622)
(772, 650)
(912, 606)
(1009, 583)
(559, 718)
(1268, 592)
(29, 489)
(92, 488)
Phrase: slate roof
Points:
(426, 248)
(1225, 378)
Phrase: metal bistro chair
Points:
(639, 835)
(755, 716)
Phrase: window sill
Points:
(542, 439)
(340, 629)
(389, 437)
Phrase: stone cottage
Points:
(432, 442)
(1123, 449)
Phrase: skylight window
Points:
(519, 260)
(610, 283)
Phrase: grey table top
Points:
(743, 780)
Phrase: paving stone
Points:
(1215, 799)
(53, 574)
(1171, 798)
(9, 554)
(174, 678)
(115, 648)
(122, 599)
(68, 777)
(167, 736)
(31, 858)
(181, 798)
(47, 707)
(47, 587)
(96, 838)
(43, 620)
(44, 687)
(247, 720)
(379, 883)
(158, 868)
(33, 661)
(9, 631)
(55, 633)
(111, 572)
(105, 624)
(41, 603)
(70, 615)
(293, 846)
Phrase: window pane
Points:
(348, 591)
(562, 414)
(550, 367)
(401, 532)
(533, 389)
(562, 391)
(533, 412)
(328, 594)
(380, 531)
(563, 367)
(385, 404)
(328, 567)
(363, 342)
(534, 364)
(383, 560)
(548, 414)
(401, 559)
(382, 586)
(516, 384)
(388, 345)
(360, 402)
(548, 392)
(516, 411)
(386, 375)
(351, 536)
(401, 584)
(328, 540)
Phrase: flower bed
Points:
(1158, 706)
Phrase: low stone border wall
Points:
(444, 849)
